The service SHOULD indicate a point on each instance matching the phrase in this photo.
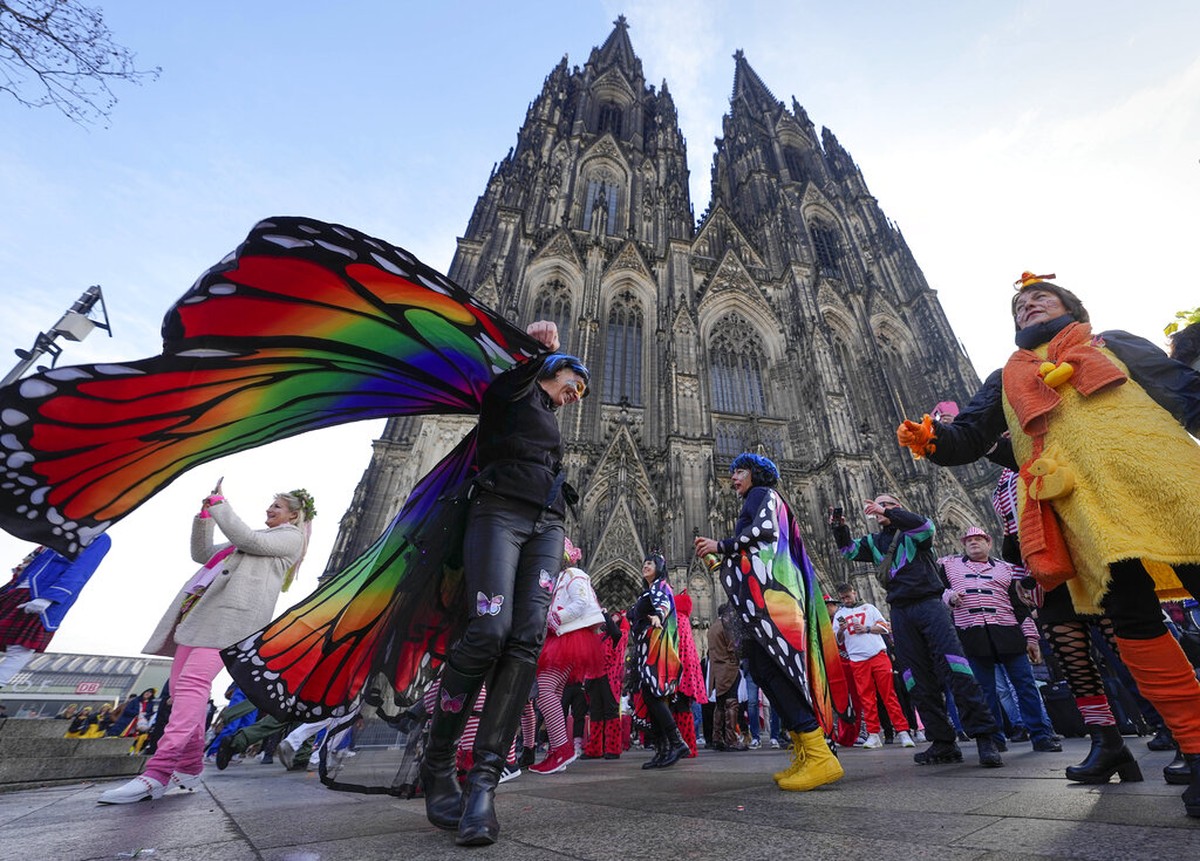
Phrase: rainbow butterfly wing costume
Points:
(772, 585)
(659, 665)
(306, 325)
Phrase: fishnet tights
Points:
(1073, 648)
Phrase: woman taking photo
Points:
(231, 596)
(656, 637)
(1109, 482)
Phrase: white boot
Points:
(138, 789)
(190, 782)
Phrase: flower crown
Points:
(306, 502)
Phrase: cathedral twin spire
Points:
(707, 339)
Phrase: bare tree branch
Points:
(61, 53)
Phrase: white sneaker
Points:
(873, 742)
(919, 736)
(774, 744)
(754, 744)
(138, 789)
(905, 739)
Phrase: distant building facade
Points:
(791, 319)
(54, 680)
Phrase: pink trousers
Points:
(181, 747)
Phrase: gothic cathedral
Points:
(791, 319)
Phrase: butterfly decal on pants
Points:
(486, 606)
(452, 704)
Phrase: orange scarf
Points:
(1042, 543)
(1029, 395)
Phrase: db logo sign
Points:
(87, 688)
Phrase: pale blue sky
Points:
(999, 136)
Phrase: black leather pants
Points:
(512, 553)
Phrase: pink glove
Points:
(209, 501)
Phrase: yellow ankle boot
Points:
(819, 765)
(797, 758)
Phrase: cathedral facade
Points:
(791, 319)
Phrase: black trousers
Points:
(1132, 604)
(659, 713)
(602, 705)
(789, 702)
(512, 553)
(932, 656)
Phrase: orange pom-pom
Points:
(1027, 278)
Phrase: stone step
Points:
(58, 747)
(33, 728)
(34, 752)
(26, 772)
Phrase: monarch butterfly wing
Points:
(390, 612)
(662, 653)
(801, 636)
(306, 325)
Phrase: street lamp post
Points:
(74, 325)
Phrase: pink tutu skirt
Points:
(579, 652)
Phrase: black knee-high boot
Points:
(439, 779)
(508, 691)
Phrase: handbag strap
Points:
(883, 569)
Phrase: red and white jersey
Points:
(859, 647)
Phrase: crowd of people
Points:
(1093, 430)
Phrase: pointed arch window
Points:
(795, 164)
(554, 303)
(622, 378)
(736, 365)
(609, 119)
(827, 245)
(601, 205)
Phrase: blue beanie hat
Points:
(763, 470)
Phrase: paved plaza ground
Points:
(720, 806)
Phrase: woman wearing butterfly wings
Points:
(512, 552)
(656, 642)
(770, 582)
